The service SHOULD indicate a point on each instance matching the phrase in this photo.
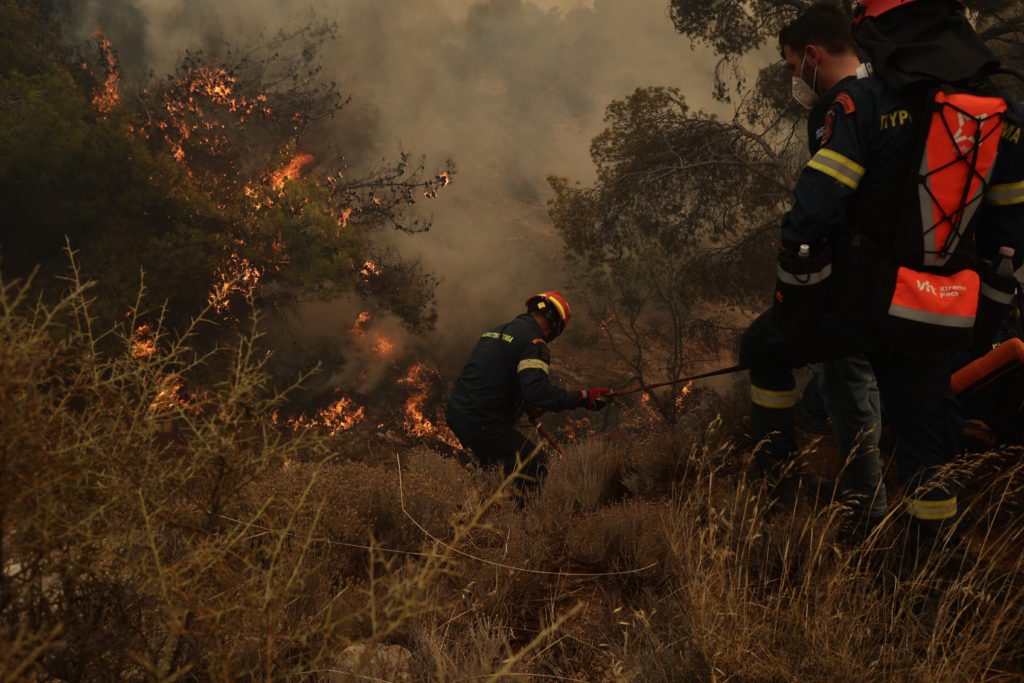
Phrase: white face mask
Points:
(805, 94)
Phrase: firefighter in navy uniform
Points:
(852, 202)
(506, 375)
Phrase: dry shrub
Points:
(151, 528)
(148, 535)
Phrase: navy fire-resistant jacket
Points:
(863, 140)
(506, 371)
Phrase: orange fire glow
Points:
(107, 99)
(681, 396)
(359, 328)
(240, 277)
(574, 430)
(416, 423)
(340, 416)
(168, 396)
(143, 344)
(343, 217)
(369, 270)
(292, 171)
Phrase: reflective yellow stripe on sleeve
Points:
(932, 509)
(533, 364)
(835, 165)
(776, 400)
(1006, 195)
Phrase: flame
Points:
(108, 98)
(143, 344)
(192, 108)
(340, 416)
(369, 270)
(358, 328)
(343, 217)
(648, 413)
(683, 393)
(441, 181)
(168, 395)
(574, 430)
(292, 171)
(240, 277)
(416, 423)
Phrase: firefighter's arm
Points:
(1001, 221)
(535, 383)
(829, 179)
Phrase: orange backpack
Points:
(930, 282)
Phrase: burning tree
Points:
(216, 180)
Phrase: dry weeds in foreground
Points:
(157, 524)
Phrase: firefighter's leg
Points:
(851, 398)
(772, 393)
(928, 422)
(516, 451)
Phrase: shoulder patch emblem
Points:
(829, 127)
(845, 101)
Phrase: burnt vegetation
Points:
(175, 506)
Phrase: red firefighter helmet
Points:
(553, 307)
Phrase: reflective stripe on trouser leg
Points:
(768, 398)
(773, 396)
(932, 510)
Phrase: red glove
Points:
(595, 399)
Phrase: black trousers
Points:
(914, 386)
(505, 450)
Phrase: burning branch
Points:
(143, 343)
(292, 171)
(108, 97)
(340, 416)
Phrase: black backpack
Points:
(932, 288)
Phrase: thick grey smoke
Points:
(512, 90)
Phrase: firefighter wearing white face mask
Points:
(819, 67)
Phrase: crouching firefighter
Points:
(507, 375)
(902, 221)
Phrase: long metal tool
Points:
(707, 375)
(547, 435)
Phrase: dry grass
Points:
(198, 540)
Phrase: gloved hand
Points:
(595, 399)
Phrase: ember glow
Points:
(369, 270)
(292, 171)
(340, 416)
(574, 430)
(196, 108)
(681, 396)
(107, 99)
(168, 396)
(416, 422)
(359, 328)
(143, 343)
(240, 277)
(343, 217)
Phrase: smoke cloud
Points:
(511, 90)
